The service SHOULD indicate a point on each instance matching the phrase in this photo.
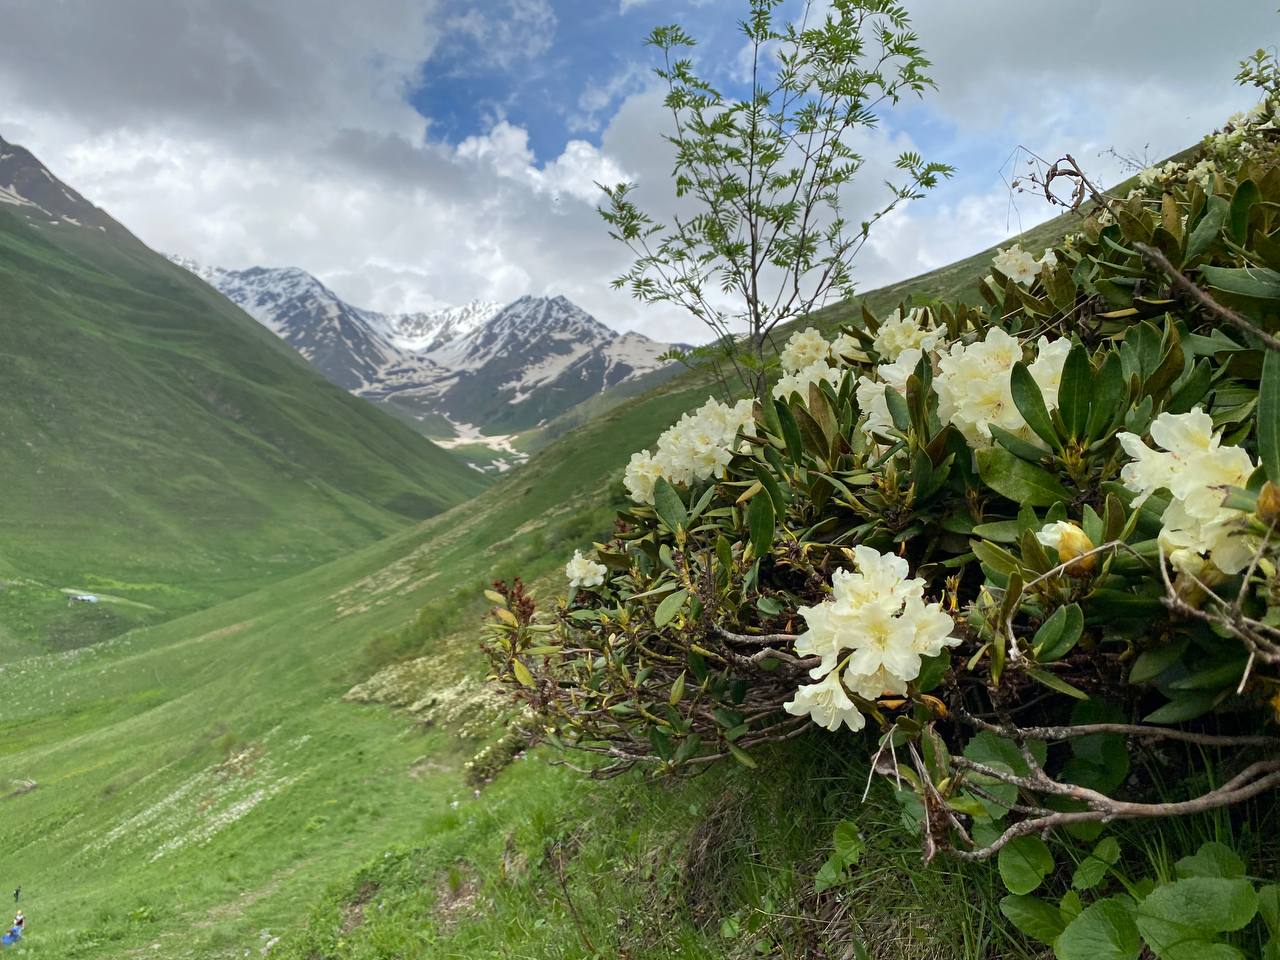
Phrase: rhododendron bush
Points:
(1003, 549)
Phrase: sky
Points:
(420, 153)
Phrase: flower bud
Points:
(1269, 503)
(1070, 542)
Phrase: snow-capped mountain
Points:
(477, 368)
(342, 342)
(426, 332)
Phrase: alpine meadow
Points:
(801, 480)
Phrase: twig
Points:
(1254, 780)
(1180, 283)
(1053, 734)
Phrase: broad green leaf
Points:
(790, 431)
(1269, 908)
(1151, 663)
(760, 520)
(1037, 919)
(669, 607)
(1024, 863)
(1095, 866)
(1207, 230)
(1075, 391)
(522, 673)
(1213, 859)
(1246, 195)
(1269, 416)
(1103, 931)
(1108, 397)
(1181, 920)
(1261, 283)
(830, 874)
(1059, 634)
(1030, 403)
(848, 843)
(1018, 480)
(668, 505)
(1186, 706)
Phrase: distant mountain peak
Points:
(496, 367)
(28, 188)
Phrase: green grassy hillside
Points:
(161, 449)
(198, 784)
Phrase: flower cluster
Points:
(806, 360)
(806, 347)
(1020, 266)
(1154, 176)
(898, 333)
(871, 390)
(973, 384)
(1196, 469)
(698, 447)
(584, 572)
(871, 638)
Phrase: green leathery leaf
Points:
(669, 607)
(760, 520)
(1030, 403)
(1261, 283)
(1246, 195)
(668, 505)
(1059, 634)
(1075, 391)
(1269, 416)
(1208, 229)
(1018, 480)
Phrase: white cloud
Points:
(279, 133)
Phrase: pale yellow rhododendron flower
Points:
(870, 391)
(1017, 264)
(698, 447)
(799, 382)
(1069, 544)
(871, 636)
(973, 384)
(584, 572)
(804, 348)
(1196, 469)
(826, 704)
(897, 333)
(641, 474)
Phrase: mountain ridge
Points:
(498, 369)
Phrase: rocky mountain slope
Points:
(475, 370)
